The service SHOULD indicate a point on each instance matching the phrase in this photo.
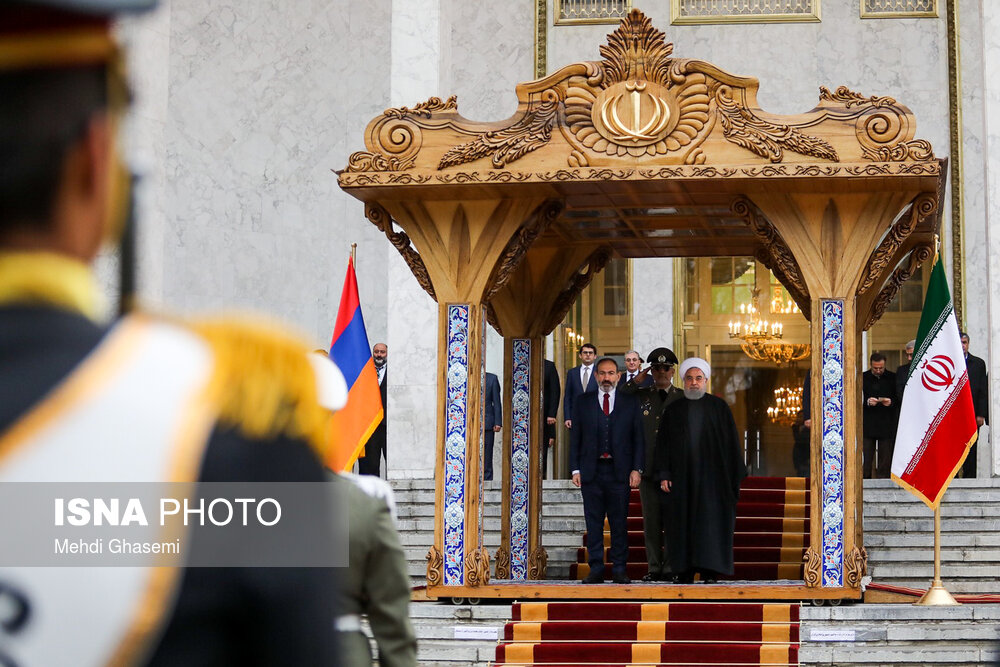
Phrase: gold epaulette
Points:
(262, 381)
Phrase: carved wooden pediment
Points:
(638, 107)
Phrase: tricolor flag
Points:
(937, 423)
(353, 424)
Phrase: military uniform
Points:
(377, 585)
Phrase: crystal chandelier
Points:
(758, 337)
(787, 405)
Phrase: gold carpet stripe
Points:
(789, 570)
(648, 653)
(534, 611)
(793, 525)
(519, 653)
(793, 540)
(657, 611)
(776, 613)
(795, 496)
(529, 632)
(650, 631)
(795, 483)
(774, 654)
(796, 511)
(776, 633)
(791, 554)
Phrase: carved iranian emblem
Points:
(647, 104)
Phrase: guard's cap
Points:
(61, 33)
(662, 355)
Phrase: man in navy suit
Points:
(492, 419)
(579, 380)
(633, 362)
(606, 454)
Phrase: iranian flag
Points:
(937, 424)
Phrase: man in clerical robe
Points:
(699, 463)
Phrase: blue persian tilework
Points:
(521, 417)
(833, 442)
(456, 425)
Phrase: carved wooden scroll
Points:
(538, 561)
(855, 566)
(381, 219)
(594, 264)
(503, 563)
(923, 206)
(775, 254)
(918, 256)
(884, 131)
(477, 568)
(435, 567)
(812, 569)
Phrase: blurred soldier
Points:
(146, 399)
(652, 401)
(377, 585)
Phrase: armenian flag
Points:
(937, 422)
(353, 424)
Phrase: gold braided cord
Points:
(76, 46)
(47, 278)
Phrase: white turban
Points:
(696, 362)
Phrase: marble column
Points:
(991, 114)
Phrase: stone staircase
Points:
(899, 531)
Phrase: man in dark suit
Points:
(979, 385)
(878, 390)
(579, 380)
(606, 454)
(376, 446)
(492, 419)
(550, 406)
(632, 364)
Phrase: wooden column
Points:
(532, 303)
(460, 246)
(830, 243)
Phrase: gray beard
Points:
(694, 394)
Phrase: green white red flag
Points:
(937, 423)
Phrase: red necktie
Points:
(607, 404)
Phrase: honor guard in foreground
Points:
(146, 399)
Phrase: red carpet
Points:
(772, 532)
(650, 633)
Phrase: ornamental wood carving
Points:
(518, 246)
(812, 568)
(918, 256)
(567, 297)
(401, 242)
(435, 567)
(503, 563)
(923, 207)
(855, 566)
(775, 254)
(538, 561)
(477, 567)
(637, 105)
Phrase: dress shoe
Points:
(651, 576)
(666, 576)
(685, 578)
(594, 577)
(620, 578)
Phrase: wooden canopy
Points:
(641, 154)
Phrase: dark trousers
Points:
(369, 463)
(657, 555)
(969, 467)
(606, 496)
(488, 437)
(883, 448)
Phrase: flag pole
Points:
(354, 255)
(937, 595)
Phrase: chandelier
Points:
(758, 337)
(787, 405)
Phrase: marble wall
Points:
(652, 305)
(991, 114)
